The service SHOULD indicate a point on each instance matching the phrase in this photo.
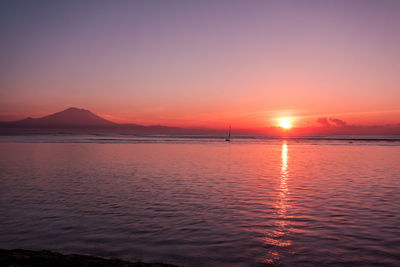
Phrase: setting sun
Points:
(285, 123)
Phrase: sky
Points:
(203, 63)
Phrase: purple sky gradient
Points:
(203, 63)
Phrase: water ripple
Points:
(205, 203)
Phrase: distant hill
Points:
(81, 120)
(69, 118)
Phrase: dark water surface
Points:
(205, 203)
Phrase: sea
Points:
(202, 201)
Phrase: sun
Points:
(285, 123)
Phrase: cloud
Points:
(324, 121)
(328, 122)
(338, 122)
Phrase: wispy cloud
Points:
(329, 122)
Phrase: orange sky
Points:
(204, 64)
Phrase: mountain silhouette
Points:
(82, 120)
(69, 118)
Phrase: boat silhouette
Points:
(228, 139)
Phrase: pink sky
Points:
(209, 64)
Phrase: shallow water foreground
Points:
(205, 203)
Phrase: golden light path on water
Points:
(284, 176)
(277, 237)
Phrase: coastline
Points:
(22, 257)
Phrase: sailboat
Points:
(228, 139)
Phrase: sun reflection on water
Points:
(284, 175)
(277, 238)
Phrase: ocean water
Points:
(202, 201)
